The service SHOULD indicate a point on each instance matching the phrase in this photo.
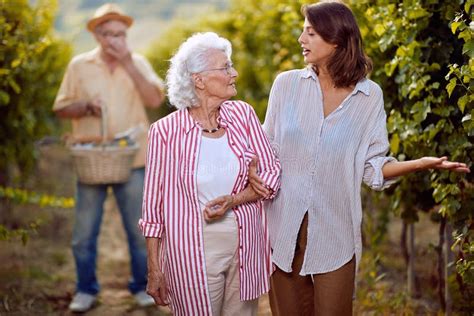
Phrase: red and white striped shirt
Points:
(171, 208)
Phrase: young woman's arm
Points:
(399, 168)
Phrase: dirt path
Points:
(39, 278)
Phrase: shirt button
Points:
(240, 226)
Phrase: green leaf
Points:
(416, 13)
(439, 193)
(391, 66)
(466, 34)
(462, 102)
(4, 71)
(450, 86)
(468, 48)
(4, 98)
(454, 26)
(379, 29)
(15, 63)
(467, 5)
(395, 144)
(401, 51)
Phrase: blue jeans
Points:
(89, 209)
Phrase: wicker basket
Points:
(103, 164)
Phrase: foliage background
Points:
(32, 61)
(423, 57)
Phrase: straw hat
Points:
(108, 11)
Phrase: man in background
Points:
(111, 81)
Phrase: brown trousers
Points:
(320, 294)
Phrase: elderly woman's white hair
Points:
(192, 57)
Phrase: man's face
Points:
(110, 34)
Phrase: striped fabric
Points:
(171, 208)
(324, 162)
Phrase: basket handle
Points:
(103, 125)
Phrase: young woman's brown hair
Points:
(336, 24)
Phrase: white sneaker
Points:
(143, 299)
(82, 302)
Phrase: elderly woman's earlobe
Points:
(197, 79)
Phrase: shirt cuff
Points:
(378, 182)
(272, 182)
(151, 229)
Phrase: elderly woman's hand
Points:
(255, 181)
(157, 288)
(216, 208)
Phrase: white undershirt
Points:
(218, 168)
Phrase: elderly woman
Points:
(207, 241)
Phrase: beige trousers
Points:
(222, 265)
(326, 294)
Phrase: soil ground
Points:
(38, 278)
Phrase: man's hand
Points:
(216, 208)
(81, 109)
(157, 288)
(118, 49)
(93, 108)
(255, 181)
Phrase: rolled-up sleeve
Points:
(269, 164)
(151, 223)
(376, 155)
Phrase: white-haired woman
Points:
(207, 241)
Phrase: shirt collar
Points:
(308, 72)
(94, 56)
(362, 86)
(223, 118)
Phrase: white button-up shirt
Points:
(324, 161)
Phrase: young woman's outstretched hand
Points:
(443, 163)
(399, 168)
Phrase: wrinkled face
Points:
(316, 50)
(110, 33)
(218, 80)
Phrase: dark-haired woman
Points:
(327, 124)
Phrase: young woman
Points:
(328, 126)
